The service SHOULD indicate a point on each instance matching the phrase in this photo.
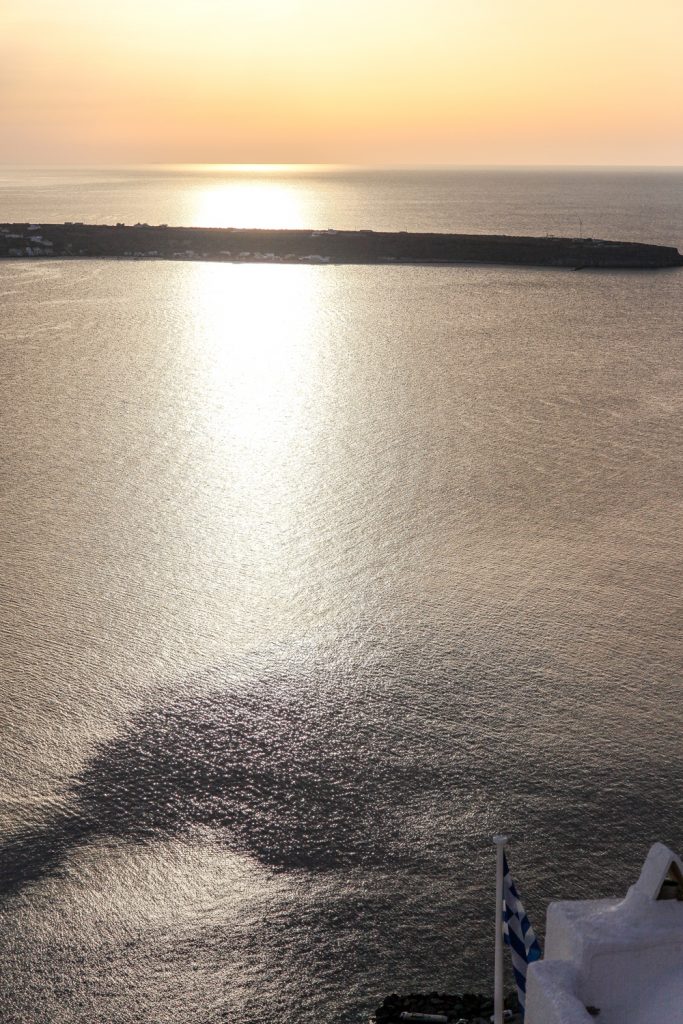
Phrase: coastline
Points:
(243, 245)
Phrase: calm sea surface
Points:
(313, 578)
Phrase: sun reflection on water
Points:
(258, 373)
(241, 201)
(253, 330)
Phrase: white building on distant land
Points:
(621, 958)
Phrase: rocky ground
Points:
(455, 1008)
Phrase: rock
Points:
(465, 1008)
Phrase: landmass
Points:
(244, 245)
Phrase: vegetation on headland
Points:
(140, 241)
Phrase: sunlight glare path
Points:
(259, 370)
(250, 203)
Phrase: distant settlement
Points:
(143, 241)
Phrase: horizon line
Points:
(274, 168)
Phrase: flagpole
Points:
(499, 843)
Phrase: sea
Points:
(314, 578)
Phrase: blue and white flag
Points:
(518, 933)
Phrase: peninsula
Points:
(144, 241)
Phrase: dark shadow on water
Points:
(290, 783)
(332, 771)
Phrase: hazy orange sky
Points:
(342, 81)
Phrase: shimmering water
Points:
(315, 577)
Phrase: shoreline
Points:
(314, 247)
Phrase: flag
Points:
(518, 933)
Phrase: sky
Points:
(378, 82)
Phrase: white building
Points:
(623, 958)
